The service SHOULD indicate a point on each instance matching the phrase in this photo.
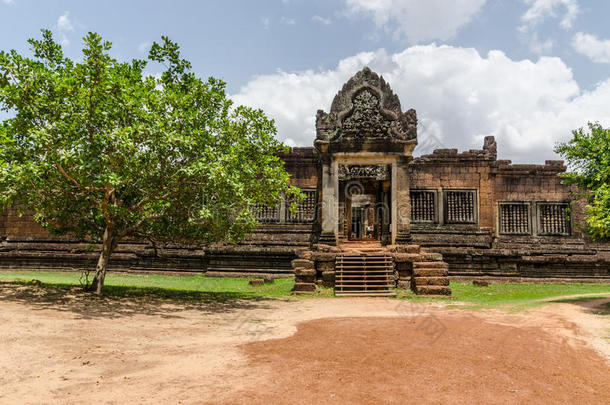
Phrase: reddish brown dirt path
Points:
(61, 347)
(397, 361)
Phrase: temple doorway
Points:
(365, 210)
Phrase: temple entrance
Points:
(362, 219)
(365, 210)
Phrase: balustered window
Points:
(460, 206)
(514, 218)
(266, 214)
(423, 206)
(306, 209)
(553, 219)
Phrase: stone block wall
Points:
(471, 250)
(483, 249)
(23, 227)
(3, 217)
(446, 169)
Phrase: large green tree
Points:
(101, 150)
(588, 154)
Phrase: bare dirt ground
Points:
(59, 347)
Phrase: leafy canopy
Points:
(588, 153)
(100, 146)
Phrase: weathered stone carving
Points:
(365, 107)
(377, 172)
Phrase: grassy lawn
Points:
(520, 294)
(164, 286)
(194, 287)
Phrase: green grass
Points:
(199, 287)
(519, 294)
(165, 286)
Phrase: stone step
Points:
(304, 287)
(420, 281)
(364, 287)
(432, 290)
(433, 272)
(364, 274)
(430, 265)
(365, 293)
(431, 256)
(368, 275)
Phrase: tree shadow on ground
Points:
(594, 305)
(120, 301)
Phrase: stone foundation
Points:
(422, 271)
(74, 256)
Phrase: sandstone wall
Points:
(3, 217)
(476, 249)
(21, 226)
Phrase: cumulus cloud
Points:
(540, 10)
(321, 20)
(538, 46)
(460, 96)
(144, 47)
(287, 21)
(415, 19)
(596, 49)
(266, 22)
(64, 23)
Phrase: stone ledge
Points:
(432, 290)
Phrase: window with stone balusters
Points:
(553, 219)
(514, 218)
(306, 208)
(423, 206)
(460, 206)
(266, 214)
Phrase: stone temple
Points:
(375, 217)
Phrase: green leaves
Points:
(98, 144)
(589, 154)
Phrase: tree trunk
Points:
(109, 242)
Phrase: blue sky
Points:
(526, 71)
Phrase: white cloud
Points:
(64, 41)
(64, 23)
(460, 96)
(598, 50)
(266, 22)
(8, 1)
(540, 10)
(144, 47)
(287, 21)
(418, 20)
(321, 20)
(539, 46)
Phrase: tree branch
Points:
(73, 180)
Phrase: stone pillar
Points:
(402, 201)
(328, 211)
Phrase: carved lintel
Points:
(376, 172)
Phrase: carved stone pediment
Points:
(366, 107)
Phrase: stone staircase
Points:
(366, 268)
(364, 273)
(431, 278)
(422, 271)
